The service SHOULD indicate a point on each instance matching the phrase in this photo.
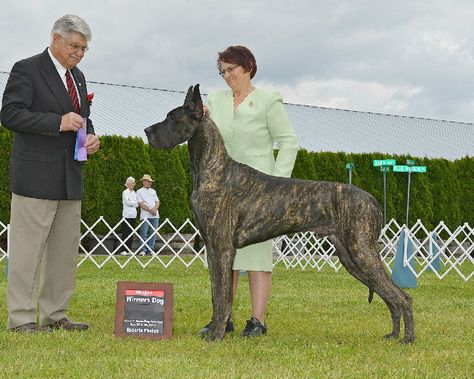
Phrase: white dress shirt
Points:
(62, 74)
(130, 204)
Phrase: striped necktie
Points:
(72, 92)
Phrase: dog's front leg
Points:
(220, 257)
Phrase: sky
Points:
(404, 57)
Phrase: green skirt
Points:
(257, 257)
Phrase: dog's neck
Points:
(207, 151)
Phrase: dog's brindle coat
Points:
(235, 205)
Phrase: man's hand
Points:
(92, 144)
(71, 122)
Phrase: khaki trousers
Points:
(43, 244)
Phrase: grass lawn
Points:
(320, 325)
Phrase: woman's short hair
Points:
(238, 55)
(129, 180)
(71, 24)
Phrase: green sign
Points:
(350, 165)
(418, 169)
(398, 168)
(384, 162)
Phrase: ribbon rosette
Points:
(89, 98)
(80, 152)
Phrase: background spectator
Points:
(129, 212)
(149, 204)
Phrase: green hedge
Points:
(106, 171)
(445, 192)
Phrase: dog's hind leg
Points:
(367, 267)
(351, 266)
(399, 303)
(387, 288)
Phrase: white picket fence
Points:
(439, 250)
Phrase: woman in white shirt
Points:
(129, 213)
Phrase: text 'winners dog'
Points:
(235, 205)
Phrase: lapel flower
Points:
(89, 98)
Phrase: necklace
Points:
(238, 99)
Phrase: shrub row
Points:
(445, 192)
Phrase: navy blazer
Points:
(42, 161)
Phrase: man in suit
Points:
(44, 104)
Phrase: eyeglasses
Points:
(76, 47)
(228, 69)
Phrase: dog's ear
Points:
(189, 96)
(196, 94)
(196, 103)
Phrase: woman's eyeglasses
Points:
(228, 69)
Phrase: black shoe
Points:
(30, 327)
(68, 325)
(229, 328)
(254, 328)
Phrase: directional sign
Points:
(350, 165)
(418, 169)
(398, 168)
(384, 162)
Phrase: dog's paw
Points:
(211, 337)
(407, 340)
(390, 336)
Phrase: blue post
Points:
(435, 262)
(401, 273)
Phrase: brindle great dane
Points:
(235, 205)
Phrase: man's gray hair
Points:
(71, 24)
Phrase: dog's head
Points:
(180, 123)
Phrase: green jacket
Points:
(250, 133)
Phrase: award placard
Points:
(144, 310)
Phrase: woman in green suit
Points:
(252, 120)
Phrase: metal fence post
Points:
(8, 251)
(350, 167)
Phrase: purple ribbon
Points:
(80, 152)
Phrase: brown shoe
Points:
(68, 325)
(29, 327)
